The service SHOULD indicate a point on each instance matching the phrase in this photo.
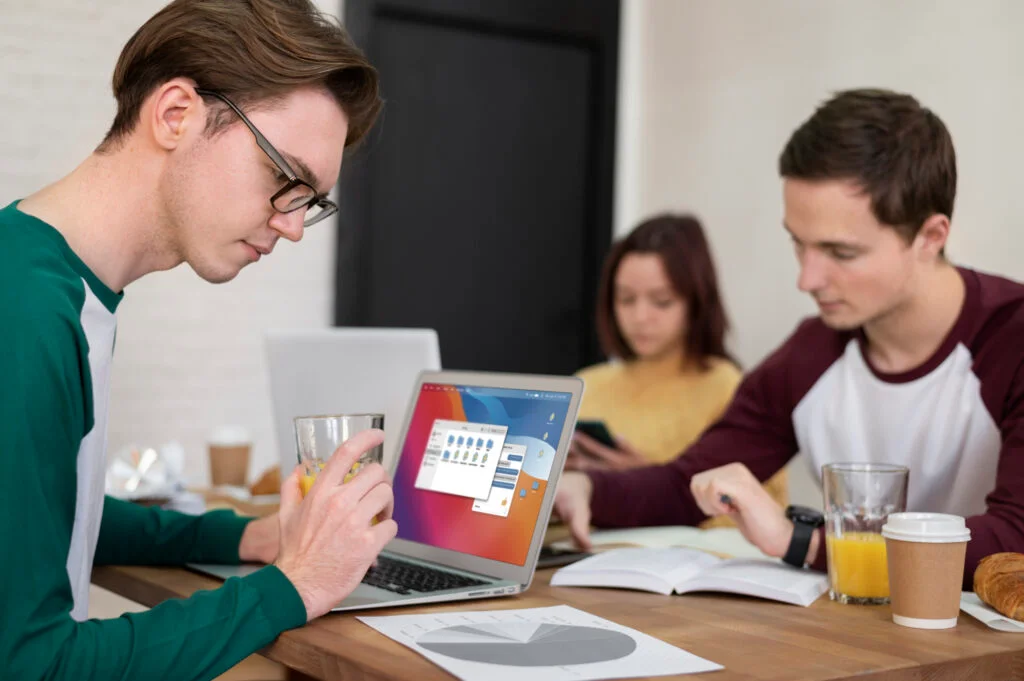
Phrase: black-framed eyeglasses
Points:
(296, 194)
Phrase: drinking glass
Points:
(858, 499)
(317, 437)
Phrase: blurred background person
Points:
(662, 322)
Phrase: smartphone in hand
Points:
(597, 430)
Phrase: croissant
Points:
(999, 581)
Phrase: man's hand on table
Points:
(572, 504)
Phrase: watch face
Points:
(805, 515)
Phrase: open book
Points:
(679, 570)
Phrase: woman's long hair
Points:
(679, 241)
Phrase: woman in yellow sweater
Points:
(661, 318)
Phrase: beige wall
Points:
(712, 90)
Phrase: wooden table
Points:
(753, 639)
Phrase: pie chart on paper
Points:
(528, 644)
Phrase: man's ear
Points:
(931, 238)
(172, 111)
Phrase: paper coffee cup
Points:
(926, 553)
(229, 456)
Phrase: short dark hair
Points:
(680, 242)
(898, 151)
(253, 51)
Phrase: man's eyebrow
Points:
(303, 170)
(826, 244)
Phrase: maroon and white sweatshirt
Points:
(957, 421)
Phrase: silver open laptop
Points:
(479, 460)
(345, 371)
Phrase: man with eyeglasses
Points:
(295, 194)
(186, 174)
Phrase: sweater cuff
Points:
(220, 534)
(279, 601)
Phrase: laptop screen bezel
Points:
(521, 574)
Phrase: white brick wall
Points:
(189, 354)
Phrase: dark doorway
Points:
(481, 204)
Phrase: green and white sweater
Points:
(57, 324)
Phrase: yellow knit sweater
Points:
(660, 408)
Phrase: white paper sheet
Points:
(559, 643)
(977, 608)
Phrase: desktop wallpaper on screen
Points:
(475, 466)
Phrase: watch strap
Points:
(796, 555)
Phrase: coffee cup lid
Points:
(229, 436)
(934, 528)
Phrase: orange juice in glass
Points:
(861, 570)
(307, 479)
(858, 499)
(317, 438)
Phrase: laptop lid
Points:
(345, 370)
(480, 458)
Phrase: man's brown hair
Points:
(252, 51)
(896, 150)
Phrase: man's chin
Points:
(215, 275)
(840, 322)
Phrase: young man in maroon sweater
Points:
(911, 361)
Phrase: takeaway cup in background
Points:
(229, 448)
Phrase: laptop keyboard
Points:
(407, 578)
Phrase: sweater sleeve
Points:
(44, 390)
(756, 430)
(1001, 527)
(134, 535)
(196, 638)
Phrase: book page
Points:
(615, 568)
(764, 578)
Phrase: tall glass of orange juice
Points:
(317, 438)
(858, 499)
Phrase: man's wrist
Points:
(586, 482)
(294, 575)
(245, 542)
(588, 487)
(814, 548)
(260, 540)
(778, 548)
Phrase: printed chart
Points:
(559, 643)
(529, 644)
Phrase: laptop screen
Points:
(475, 466)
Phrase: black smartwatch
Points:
(805, 522)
